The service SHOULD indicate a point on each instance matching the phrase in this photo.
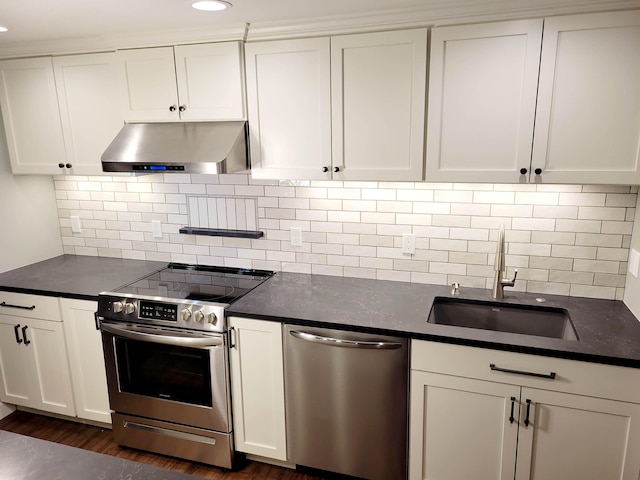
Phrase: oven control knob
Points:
(117, 307)
(199, 316)
(129, 308)
(186, 314)
(212, 319)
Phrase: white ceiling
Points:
(40, 21)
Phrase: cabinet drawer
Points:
(571, 376)
(31, 306)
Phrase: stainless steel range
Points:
(166, 354)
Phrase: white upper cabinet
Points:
(348, 107)
(60, 114)
(588, 115)
(378, 83)
(188, 83)
(89, 97)
(482, 100)
(31, 117)
(289, 106)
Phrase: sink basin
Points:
(500, 317)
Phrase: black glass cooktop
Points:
(198, 282)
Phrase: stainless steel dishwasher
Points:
(346, 401)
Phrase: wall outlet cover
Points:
(156, 227)
(634, 262)
(75, 224)
(409, 243)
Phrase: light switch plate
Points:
(296, 237)
(75, 224)
(634, 262)
(156, 227)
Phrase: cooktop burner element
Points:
(191, 297)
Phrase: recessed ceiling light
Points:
(210, 5)
(3, 29)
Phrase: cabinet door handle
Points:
(15, 330)
(24, 335)
(182, 108)
(550, 375)
(68, 165)
(8, 305)
(513, 404)
(232, 337)
(526, 420)
(523, 171)
(172, 108)
(325, 169)
(537, 171)
(336, 169)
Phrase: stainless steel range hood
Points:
(180, 147)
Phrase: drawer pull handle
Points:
(513, 403)
(526, 420)
(8, 305)
(551, 375)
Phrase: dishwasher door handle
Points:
(338, 342)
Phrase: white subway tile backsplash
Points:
(565, 239)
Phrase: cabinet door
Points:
(50, 374)
(151, 91)
(31, 118)
(378, 83)
(289, 106)
(14, 370)
(482, 100)
(89, 95)
(461, 428)
(86, 360)
(210, 81)
(572, 436)
(588, 121)
(257, 388)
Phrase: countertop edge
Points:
(583, 357)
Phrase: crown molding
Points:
(438, 13)
(107, 43)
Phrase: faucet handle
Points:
(512, 282)
(455, 288)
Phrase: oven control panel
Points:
(191, 315)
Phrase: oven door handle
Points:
(158, 336)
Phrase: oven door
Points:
(167, 374)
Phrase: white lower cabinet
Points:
(469, 421)
(86, 360)
(257, 387)
(34, 371)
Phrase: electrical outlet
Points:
(75, 224)
(296, 237)
(634, 262)
(409, 243)
(156, 227)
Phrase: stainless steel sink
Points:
(500, 317)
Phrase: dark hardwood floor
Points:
(99, 440)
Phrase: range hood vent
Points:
(180, 147)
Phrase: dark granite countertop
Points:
(26, 458)
(608, 331)
(76, 276)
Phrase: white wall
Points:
(564, 239)
(29, 229)
(632, 286)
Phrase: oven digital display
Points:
(159, 311)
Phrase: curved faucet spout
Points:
(500, 268)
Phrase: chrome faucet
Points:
(498, 281)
